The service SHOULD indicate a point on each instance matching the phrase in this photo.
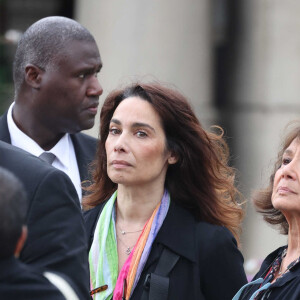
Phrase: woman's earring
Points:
(172, 160)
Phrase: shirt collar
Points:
(62, 149)
(23, 141)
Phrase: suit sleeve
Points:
(222, 270)
(56, 234)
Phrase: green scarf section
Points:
(103, 256)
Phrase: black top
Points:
(286, 287)
(210, 266)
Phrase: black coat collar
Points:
(85, 151)
(178, 232)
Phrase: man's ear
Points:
(33, 76)
(21, 241)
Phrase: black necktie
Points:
(47, 157)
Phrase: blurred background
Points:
(237, 61)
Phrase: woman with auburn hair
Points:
(164, 219)
(279, 275)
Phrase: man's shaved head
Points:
(42, 41)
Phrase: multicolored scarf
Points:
(103, 256)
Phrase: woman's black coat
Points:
(210, 266)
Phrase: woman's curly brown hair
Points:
(200, 181)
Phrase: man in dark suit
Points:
(17, 280)
(56, 95)
(56, 237)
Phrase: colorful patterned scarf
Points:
(103, 256)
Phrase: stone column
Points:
(154, 40)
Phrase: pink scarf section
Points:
(122, 275)
(134, 264)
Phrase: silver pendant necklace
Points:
(123, 232)
(128, 249)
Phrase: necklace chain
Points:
(293, 263)
(280, 270)
(283, 255)
(128, 249)
(123, 232)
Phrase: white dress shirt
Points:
(64, 151)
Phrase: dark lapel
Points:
(85, 150)
(177, 233)
(4, 133)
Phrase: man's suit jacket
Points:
(210, 266)
(19, 281)
(84, 145)
(56, 235)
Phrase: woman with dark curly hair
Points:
(164, 219)
(279, 275)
